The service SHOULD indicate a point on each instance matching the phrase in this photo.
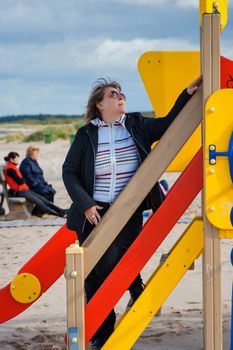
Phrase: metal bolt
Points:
(212, 147)
(211, 109)
(212, 161)
(74, 340)
(216, 4)
(74, 274)
(211, 171)
(212, 208)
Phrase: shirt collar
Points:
(98, 122)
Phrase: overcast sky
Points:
(51, 51)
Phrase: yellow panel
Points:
(218, 184)
(165, 75)
(25, 288)
(158, 288)
(207, 6)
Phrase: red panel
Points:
(154, 232)
(226, 73)
(47, 265)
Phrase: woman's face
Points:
(113, 102)
(35, 154)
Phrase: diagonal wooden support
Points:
(153, 233)
(148, 174)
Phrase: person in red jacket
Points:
(19, 188)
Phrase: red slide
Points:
(47, 265)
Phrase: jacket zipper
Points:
(84, 225)
(113, 163)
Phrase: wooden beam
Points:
(148, 174)
(210, 52)
(75, 293)
(217, 294)
(207, 273)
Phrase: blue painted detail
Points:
(213, 154)
(72, 333)
(230, 156)
(231, 216)
(231, 345)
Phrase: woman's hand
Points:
(194, 85)
(92, 214)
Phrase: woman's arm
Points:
(71, 173)
(12, 173)
(26, 171)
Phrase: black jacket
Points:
(78, 168)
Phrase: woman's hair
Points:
(11, 155)
(30, 150)
(96, 95)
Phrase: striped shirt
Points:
(116, 160)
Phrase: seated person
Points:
(19, 188)
(33, 174)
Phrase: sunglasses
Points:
(116, 94)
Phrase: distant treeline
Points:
(48, 118)
(42, 118)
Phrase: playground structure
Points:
(213, 165)
(210, 106)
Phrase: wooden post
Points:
(210, 62)
(75, 297)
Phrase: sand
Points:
(43, 325)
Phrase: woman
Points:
(33, 174)
(19, 188)
(102, 159)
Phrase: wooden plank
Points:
(70, 290)
(160, 285)
(207, 272)
(75, 291)
(217, 295)
(80, 296)
(151, 170)
(152, 235)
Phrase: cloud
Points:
(120, 53)
(173, 3)
(68, 58)
(56, 77)
(51, 51)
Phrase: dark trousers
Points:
(41, 202)
(108, 261)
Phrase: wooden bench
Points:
(19, 208)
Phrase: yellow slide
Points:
(158, 288)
